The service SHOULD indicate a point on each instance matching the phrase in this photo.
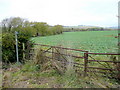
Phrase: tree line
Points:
(26, 30)
(33, 28)
(85, 29)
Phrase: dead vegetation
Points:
(42, 72)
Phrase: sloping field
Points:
(93, 41)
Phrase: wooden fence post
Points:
(85, 62)
(23, 44)
(28, 50)
(118, 68)
(52, 54)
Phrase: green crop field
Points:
(93, 41)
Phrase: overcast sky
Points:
(63, 12)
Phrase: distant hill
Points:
(81, 27)
(115, 27)
(88, 26)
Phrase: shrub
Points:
(8, 47)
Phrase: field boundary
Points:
(56, 51)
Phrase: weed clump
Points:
(40, 60)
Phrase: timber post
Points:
(28, 50)
(85, 63)
(23, 44)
